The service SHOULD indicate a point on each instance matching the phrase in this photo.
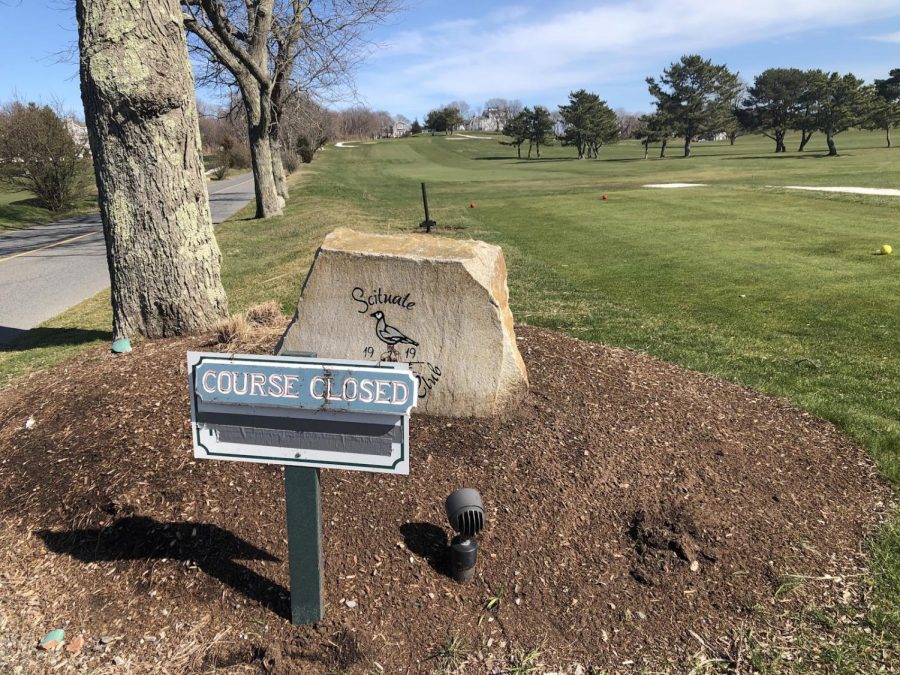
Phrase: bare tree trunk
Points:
(278, 168)
(268, 202)
(832, 148)
(687, 146)
(646, 150)
(804, 139)
(887, 134)
(139, 105)
(662, 148)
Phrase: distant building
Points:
(77, 131)
(719, 136)
(491, 120)
(400, 129)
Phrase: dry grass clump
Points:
(231, 329)
(265, 314)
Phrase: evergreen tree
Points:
(452, 117)
(589, 123)
(655, 128)
(415, 128)
(886, 108)
(840, 102)
(540, 129)
(435, 121)
(804, 117)
(772, 103)
(696, 95)
(517, 131)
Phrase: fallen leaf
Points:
(75, 645)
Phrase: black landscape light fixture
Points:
(465, 512)
(428, 223)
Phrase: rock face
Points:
(441, 305)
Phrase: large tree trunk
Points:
(804, 139)
(139, 105)
(832, 148)
(687, 146)
(662, 148)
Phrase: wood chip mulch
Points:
(638, 513)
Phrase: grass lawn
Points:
(19, 208)
(776, 289)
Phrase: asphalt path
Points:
(46, 269)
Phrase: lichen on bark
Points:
(138, 95)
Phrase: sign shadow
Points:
(213, 549)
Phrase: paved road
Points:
(44, 270)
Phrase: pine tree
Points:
(540, 129)
(696, 95)
(589, 123)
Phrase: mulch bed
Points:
(638, 513)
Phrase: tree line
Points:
(697, 99)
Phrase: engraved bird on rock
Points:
(390, 336)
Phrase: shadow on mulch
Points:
(213, 549)
(429, 542)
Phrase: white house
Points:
(400, 129)
(491, 120)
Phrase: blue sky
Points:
(436, 52)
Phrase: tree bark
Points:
(268, 202)
(646, 150)
(887, 134)
(687, 146)
(779, 141)
(832, 148)
(662, 148)
(804, 139)
(138, 94)
(278, 172)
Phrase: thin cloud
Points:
(889, 37)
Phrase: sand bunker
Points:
(885, 192)
(674, 185)
(344, 144)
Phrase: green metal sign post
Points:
(303, 513)
(304, 525)
(305, 413)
